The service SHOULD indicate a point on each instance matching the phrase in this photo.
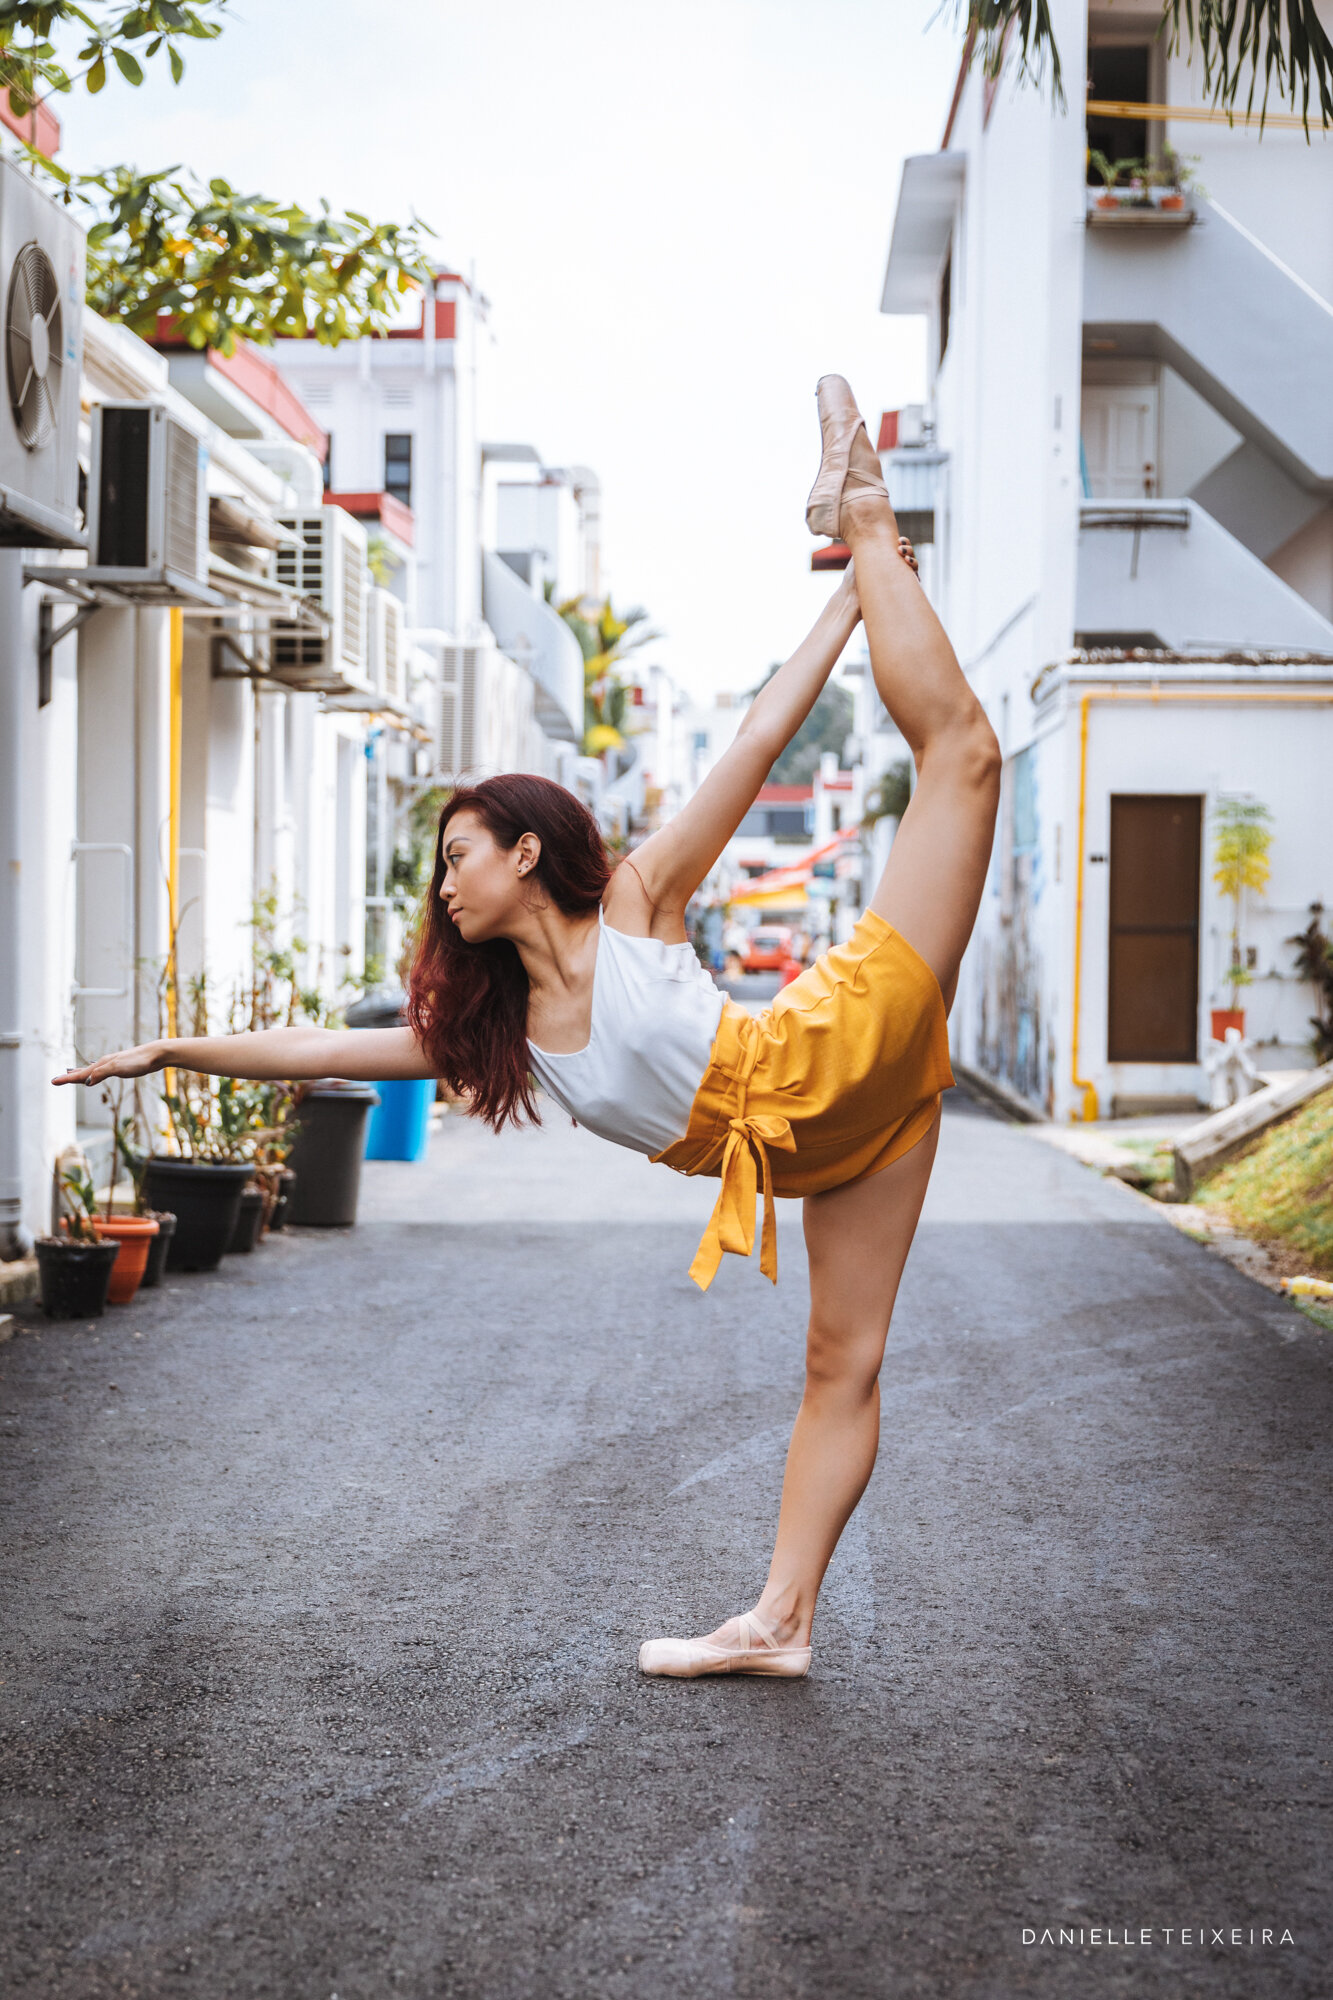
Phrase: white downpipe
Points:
(15, 687)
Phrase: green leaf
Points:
(177, 64)
(97, 76)
(127, 65)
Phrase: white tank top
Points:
(655, 1012)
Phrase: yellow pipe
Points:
(1196, 114)
(177, 628)
(1157, 694)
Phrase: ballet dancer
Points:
(541, 961)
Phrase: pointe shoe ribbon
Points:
(757, 1653)
(731, 1225)
(838, 481)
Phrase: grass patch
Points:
(1280, 1191)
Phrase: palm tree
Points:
(606, 639)
(1282, 41)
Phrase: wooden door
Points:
(1153, 1010)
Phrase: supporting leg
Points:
(858, 1238)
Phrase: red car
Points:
(769, 948)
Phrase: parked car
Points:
(769, 948)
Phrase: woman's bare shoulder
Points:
(628, 908)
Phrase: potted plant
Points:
(134, 1159)
(1170, 179)
(211, 1132)
(75, 1266)
(134, 1231)
(1108, 173)
(1242, 837)
(1314, 962)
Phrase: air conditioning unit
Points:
(148, 505)
(461, 668)
(328, 565)
(388, 651)
(486, 711)
(41, 276)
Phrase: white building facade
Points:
(1123, 480)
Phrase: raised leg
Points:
(936, 870)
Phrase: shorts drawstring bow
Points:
(731, 1225)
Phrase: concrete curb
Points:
(1214, 1140)
(997, 1094)
(18, 1282)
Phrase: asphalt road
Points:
(324, 1580)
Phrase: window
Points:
(398, 465)
(1119, 73)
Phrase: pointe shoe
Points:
(838, 480)
(757, 1653)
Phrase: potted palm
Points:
(1242, 837)
(74, 1267)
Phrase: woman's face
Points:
(483, 883)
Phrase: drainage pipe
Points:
(14, 684)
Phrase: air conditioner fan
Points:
(34, 345)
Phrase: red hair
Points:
(468, 1003)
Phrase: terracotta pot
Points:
(1108, 201)
(134, 1233)
(1172, 201)
(1227, 1017)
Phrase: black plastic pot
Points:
(282, 1207)
(249, 1218)
(74, 1277)
(157, 1249)
(326, 1158)
(205, 1197)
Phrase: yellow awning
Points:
(790, 897)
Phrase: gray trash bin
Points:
(326, 1158)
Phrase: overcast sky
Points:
(679, 212)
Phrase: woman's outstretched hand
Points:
(149, 1056)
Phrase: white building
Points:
(1123, 477)
(406, 457)
(183, 734)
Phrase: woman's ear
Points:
(529, 853)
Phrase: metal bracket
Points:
(223, 642)
(49, 636)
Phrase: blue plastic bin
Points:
(400, 1123)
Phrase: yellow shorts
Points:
(840, 1076)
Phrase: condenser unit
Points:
(327, 563)
(148, 505)
(461, 668)
(387, 650)
(41, 287)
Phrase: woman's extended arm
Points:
(672, 863)
(370, 1055)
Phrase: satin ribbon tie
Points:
(731, 1225)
